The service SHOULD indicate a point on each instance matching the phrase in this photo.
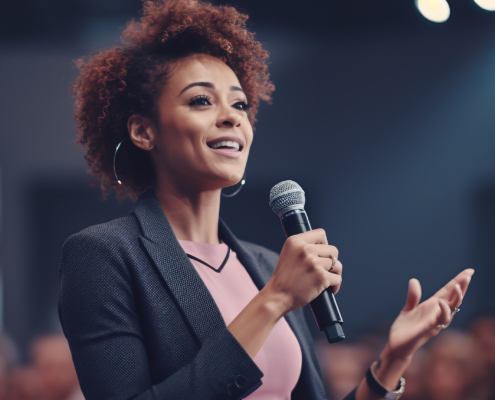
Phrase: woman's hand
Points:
(307, 265)
(417, 323)
(302, 273)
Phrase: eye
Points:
(241, 105)
(200, 100)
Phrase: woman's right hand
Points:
(304, 270)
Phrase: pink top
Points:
(280, 357)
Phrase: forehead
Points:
(201, 68)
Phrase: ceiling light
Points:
(486, 4)
(437, 10)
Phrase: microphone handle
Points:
(324, 307)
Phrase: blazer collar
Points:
(177, 271)
(188, 288)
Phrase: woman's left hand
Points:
(417, 323)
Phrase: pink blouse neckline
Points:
(232, 288)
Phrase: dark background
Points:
(385, 119)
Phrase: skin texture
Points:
(125, 80)
(190, 177)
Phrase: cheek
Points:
(183, 131)
(248, 133)
(182, 141)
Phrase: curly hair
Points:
(126, 80)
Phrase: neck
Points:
(193, 216)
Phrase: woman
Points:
(166, 303)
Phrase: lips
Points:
(229, 146)
(226, 142)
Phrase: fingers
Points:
(325, 251)
(443, 317)
(456, 299)
(413, 295)
(453, 292)
(315, 236)
(313, 242)
(334, 281)
(465, 282)
(302, 271)
(462, 279)
(321, 250)
(336, 288)
(315, 251)
(330, 264)
(334, 278)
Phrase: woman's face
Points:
(203, 134)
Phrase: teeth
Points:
(226, 143)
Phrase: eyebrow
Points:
(209, 85)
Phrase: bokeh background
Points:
(386, 120)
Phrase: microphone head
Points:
(286, 196)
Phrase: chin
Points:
(232, 180)
(229, 175)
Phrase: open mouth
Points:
(222, 144)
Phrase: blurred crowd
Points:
(49, 375)
(456, 365)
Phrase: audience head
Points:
(23, 384)
(449, 372)
(482, 331)
(52, 363)
(414, 377)
(344, 365)
(3, 378)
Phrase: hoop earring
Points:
(243, 182)
(114, 157)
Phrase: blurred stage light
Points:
(486, 4)
(436, 10)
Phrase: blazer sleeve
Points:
(97, 311)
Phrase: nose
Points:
(228, 117)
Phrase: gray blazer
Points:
(142, 324)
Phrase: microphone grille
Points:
(285, 196)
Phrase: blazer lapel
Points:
(174, 266)
(258, 268)
(181, 277)
(259, 276)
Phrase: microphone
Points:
(287, 201)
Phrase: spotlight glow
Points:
(435, 10)
(486, 4)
